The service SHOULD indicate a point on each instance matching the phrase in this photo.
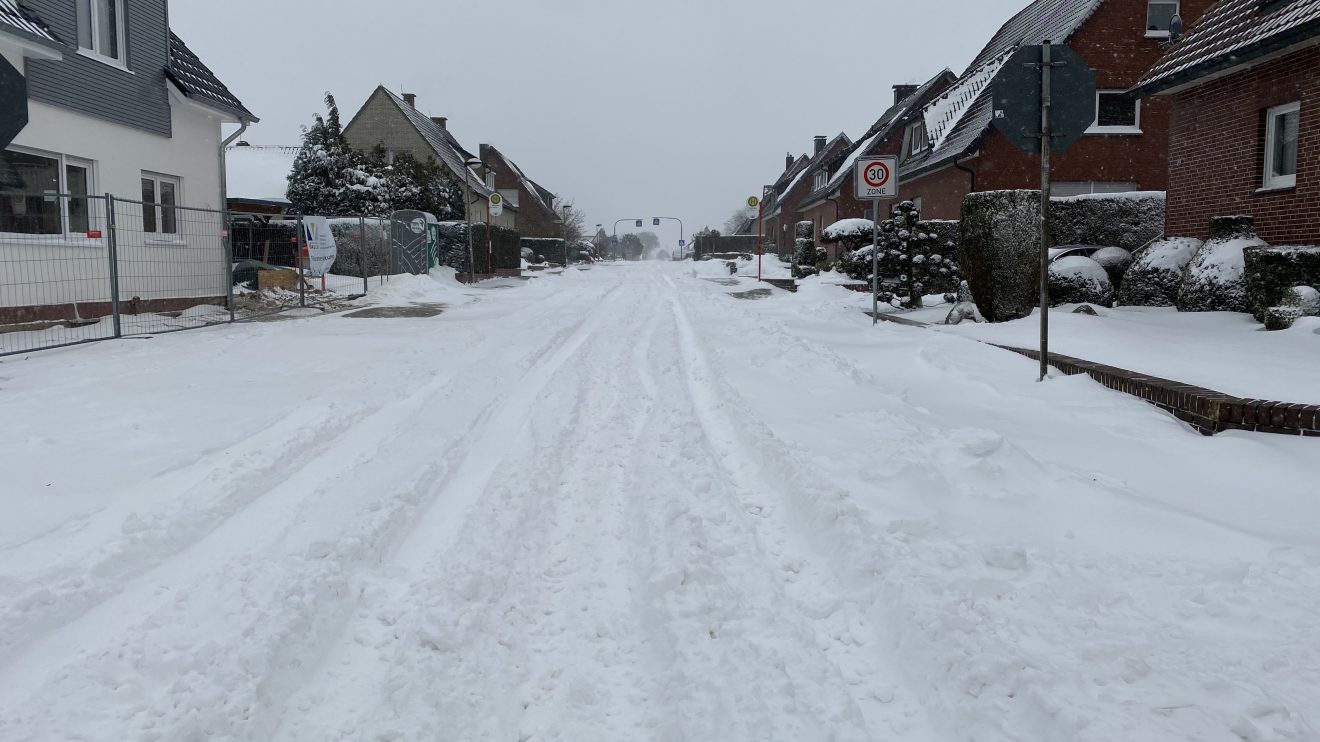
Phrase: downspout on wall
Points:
(957, 163)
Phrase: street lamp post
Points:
(564, 233)
(467, 176)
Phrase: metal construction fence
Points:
(77, 268)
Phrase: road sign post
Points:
(1044, 100)
(756, 203)
(877, 179)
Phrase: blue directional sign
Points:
(614, 241)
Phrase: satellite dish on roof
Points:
(1175, 28)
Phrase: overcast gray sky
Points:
(631, 109)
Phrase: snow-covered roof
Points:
(446, 148)
(15, 17)
(198, 82)
(957, 120)
(943, 114)
(819, 160)
(1232, 34)
(259, 173)
(882, 128)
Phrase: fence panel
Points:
(266, 255)
(55, 270)
(172, 266)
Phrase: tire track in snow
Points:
(198, 499)
(58, 652)
(767, 497)
(464, 635)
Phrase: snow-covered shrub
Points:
(911, 252)
(999, 251)
(1215, 280)
(1127, 220)
(850, 234)
(1115, 261)
(1080, 280)
(1272, 271)
(1156, 273)
(1299, 301)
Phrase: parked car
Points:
(1069, 251)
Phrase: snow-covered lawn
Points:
(1225, 351)
(618, 504)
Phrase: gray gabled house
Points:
(395, 123)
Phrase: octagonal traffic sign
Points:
(13, 102)
(1016, 92)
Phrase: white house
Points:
(116, 104)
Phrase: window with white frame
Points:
(820, 180)
(917, 137)
(44, 193)
(1116, 113)
(101, 28)
(1282, 124)
(160, 196)
(1159, 15)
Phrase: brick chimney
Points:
(902, 92)
(788, 160)
(410, 99)
(441, 121)
(820, 145)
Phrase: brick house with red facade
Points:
(953, 149)
(837, 199)
(782, 209)
(1244, 88)
(535, 204)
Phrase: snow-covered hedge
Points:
(999, 251)
(1156, 273)
(362, 247)
(1127, 220)
(1215, 280)
(1272, 271)
(1080, 280)
(547, 249)
(453, 249)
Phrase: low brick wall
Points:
(1207, 410)
(95, 310)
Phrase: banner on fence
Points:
(321, 247)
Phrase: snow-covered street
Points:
(625, 504)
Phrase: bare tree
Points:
(738, 218)
(575, 221)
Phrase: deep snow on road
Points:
(622, 504)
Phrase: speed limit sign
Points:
(877, 177)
